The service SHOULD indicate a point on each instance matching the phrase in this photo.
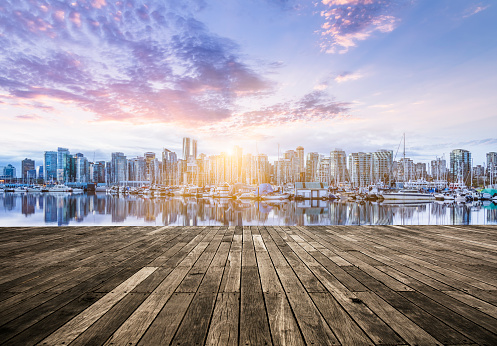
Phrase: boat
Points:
(248, 195)
(222, 191)
(275, 196)
(460, 197)
(101, 187)
(33, 189)
(444, 197)
(77, 190)
(410, 195)
(21, 189)
(60, 188)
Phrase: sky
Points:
(100, 76)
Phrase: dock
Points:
(249, 285)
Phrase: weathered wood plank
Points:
(85, 319)
(223, 329)
(254, 325)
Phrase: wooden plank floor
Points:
(330, 285)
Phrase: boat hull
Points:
(408, 197)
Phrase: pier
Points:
(237, 285)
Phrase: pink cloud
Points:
(348, 21)
(28, 117)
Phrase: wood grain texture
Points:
(249, 285)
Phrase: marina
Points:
(266, 285)
(76, 209)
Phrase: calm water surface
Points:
(21, 209)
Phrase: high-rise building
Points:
(82, 169)
(338, 166)
(439, 169)
(50, 167)
(405, 170)
(118, 170)
(460, 166)
(492, 166)
(169, 167)
(301, 164)
(63, 164)
(40, 173)
(27, 165)
(420, 170)
(360, 169)
(189, 149)
(283, 170)
(323, 171)
(9, 173)
(99, 172)
(237, 164)
(311, 167)
(382, 166)
(150, 166)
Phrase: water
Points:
(21, 209)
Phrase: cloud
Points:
(28, 117)
(348, 21)
(131, 60)
(312, 107)
(348, 76)
(474, 10)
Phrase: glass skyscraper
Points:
(50, 167)
(460, 165)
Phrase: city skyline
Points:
(101, 77)
(235, 166)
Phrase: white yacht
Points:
(408, 195)
(275, 196)
(33, 189)
(222, 191)
(60, 188)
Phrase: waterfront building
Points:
(150, 167)
(27, 165)
(40, 173)
(404, 169)
(382, 161)
(478, 175)
(82, 169)
(237, 165)
(50, 166)
(261, 169)
(283, 171)
(247, 162)
(137, 169)
(323, 171)
(492, 167)
(311, 166)
(360, 171)
(338, 166)
(189, 149)
(108, 172)
(63, 164)
(420, 171)
(169, 167)
(293, 169)
(118, 171)
(301, 164)
(460, 166)
(99, 172)
(439, 169)
(9, 173)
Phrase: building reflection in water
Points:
(65, 209)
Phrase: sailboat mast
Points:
(404, 157)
